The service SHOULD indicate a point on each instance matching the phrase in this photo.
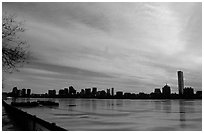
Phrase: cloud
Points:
(47, 69)
(38, 71)
(128, 45)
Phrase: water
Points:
(122, 114)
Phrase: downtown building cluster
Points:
(20, 92)
(70, 92)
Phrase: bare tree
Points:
(14, 49)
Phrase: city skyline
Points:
(130, 47)
(165, 90)
(70, 92)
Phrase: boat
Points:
(72, 105)
(34, 104)
(48, 103)
(24, 104)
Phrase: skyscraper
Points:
(180, 82)
(108, 92)
(28, 92)
(112, 91)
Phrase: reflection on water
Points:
(182, 113)
(122, 114)
(167, 106)
(185, 107)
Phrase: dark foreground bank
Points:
(27, 122)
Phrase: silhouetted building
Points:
(166, 90)
(133, 95)
(94, 91)
(199, 94)
(66, 91)
(15, 92)
(142, 95)
(61, 92)
(28, 92)
(127, 95)
(23, 92)
(88, 92)
(157, 91)
(18, 93)
(52, 92)
(82, 92)
(112, 91)
(108, 92)
(72, 91)
(188, 91)
(156, 94)
(102, 94)
(119, 94)
(180, 82)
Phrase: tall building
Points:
(28, 92)
(180, 82)
(82, 92)
(108, 92)
(72, 91)
(94, 91)
(23, 92)
(112, 91)
(66, 91)
(166, 90)
(15, 92)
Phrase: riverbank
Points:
(19, 120)
(7, 123)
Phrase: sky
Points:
(132, 47)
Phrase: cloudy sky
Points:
(133, 47)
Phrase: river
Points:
(121, 114)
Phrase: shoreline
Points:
(28, 122)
